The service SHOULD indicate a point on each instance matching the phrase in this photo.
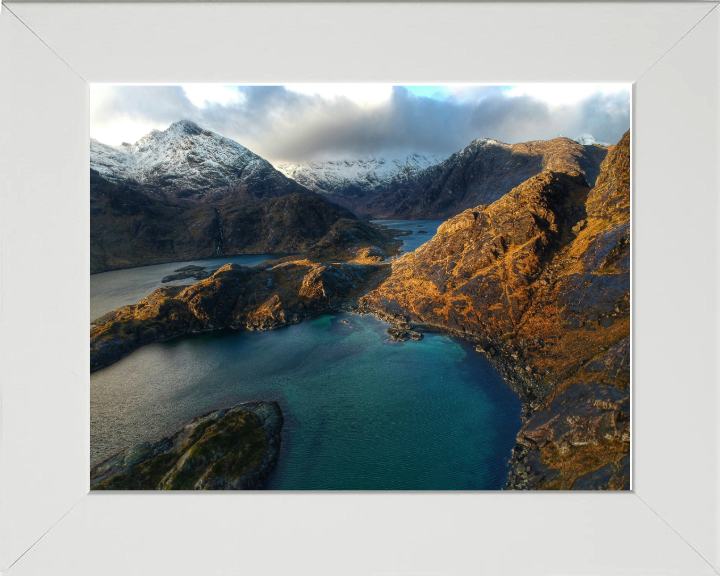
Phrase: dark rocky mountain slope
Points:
(479, 174)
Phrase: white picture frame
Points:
(50, 524)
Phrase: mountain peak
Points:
(187, 162)
(486, 142)
(185, 127)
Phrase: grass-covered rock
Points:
(230, 449)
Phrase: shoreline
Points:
(211, 257)
(380, 325)
(503, 366)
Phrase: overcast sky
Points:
(297, 123)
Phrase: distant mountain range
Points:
(480, 174)
(186, 192)
(350, 182)
(417, 186)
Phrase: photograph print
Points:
(360, 287)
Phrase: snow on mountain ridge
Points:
(365, 174)
(589, 140)
(473, 147)
(112, 162)
(182, 157)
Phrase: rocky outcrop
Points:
(540, 279)
(185, 272)
(404, 333)
(230, 449)
(580, 439)
(357, 241)
(238, 297)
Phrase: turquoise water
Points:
(361, 411)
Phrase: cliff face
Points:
(479, 174)
(229, 449)
(541, 280)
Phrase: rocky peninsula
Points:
(259, 298)
(230, 449)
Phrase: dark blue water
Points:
(416, 239)
(361, 412)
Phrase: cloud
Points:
(360, 94)
(559, 94)
(321, 121)
(201, 95)
(126, 113)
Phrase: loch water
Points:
(422, 231)
(361, 412)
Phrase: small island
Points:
(196, 272)
(230, 449)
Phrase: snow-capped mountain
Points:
(186, 161)
(357, 177)
(589, 140)
(418, 186)
(186, 193)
